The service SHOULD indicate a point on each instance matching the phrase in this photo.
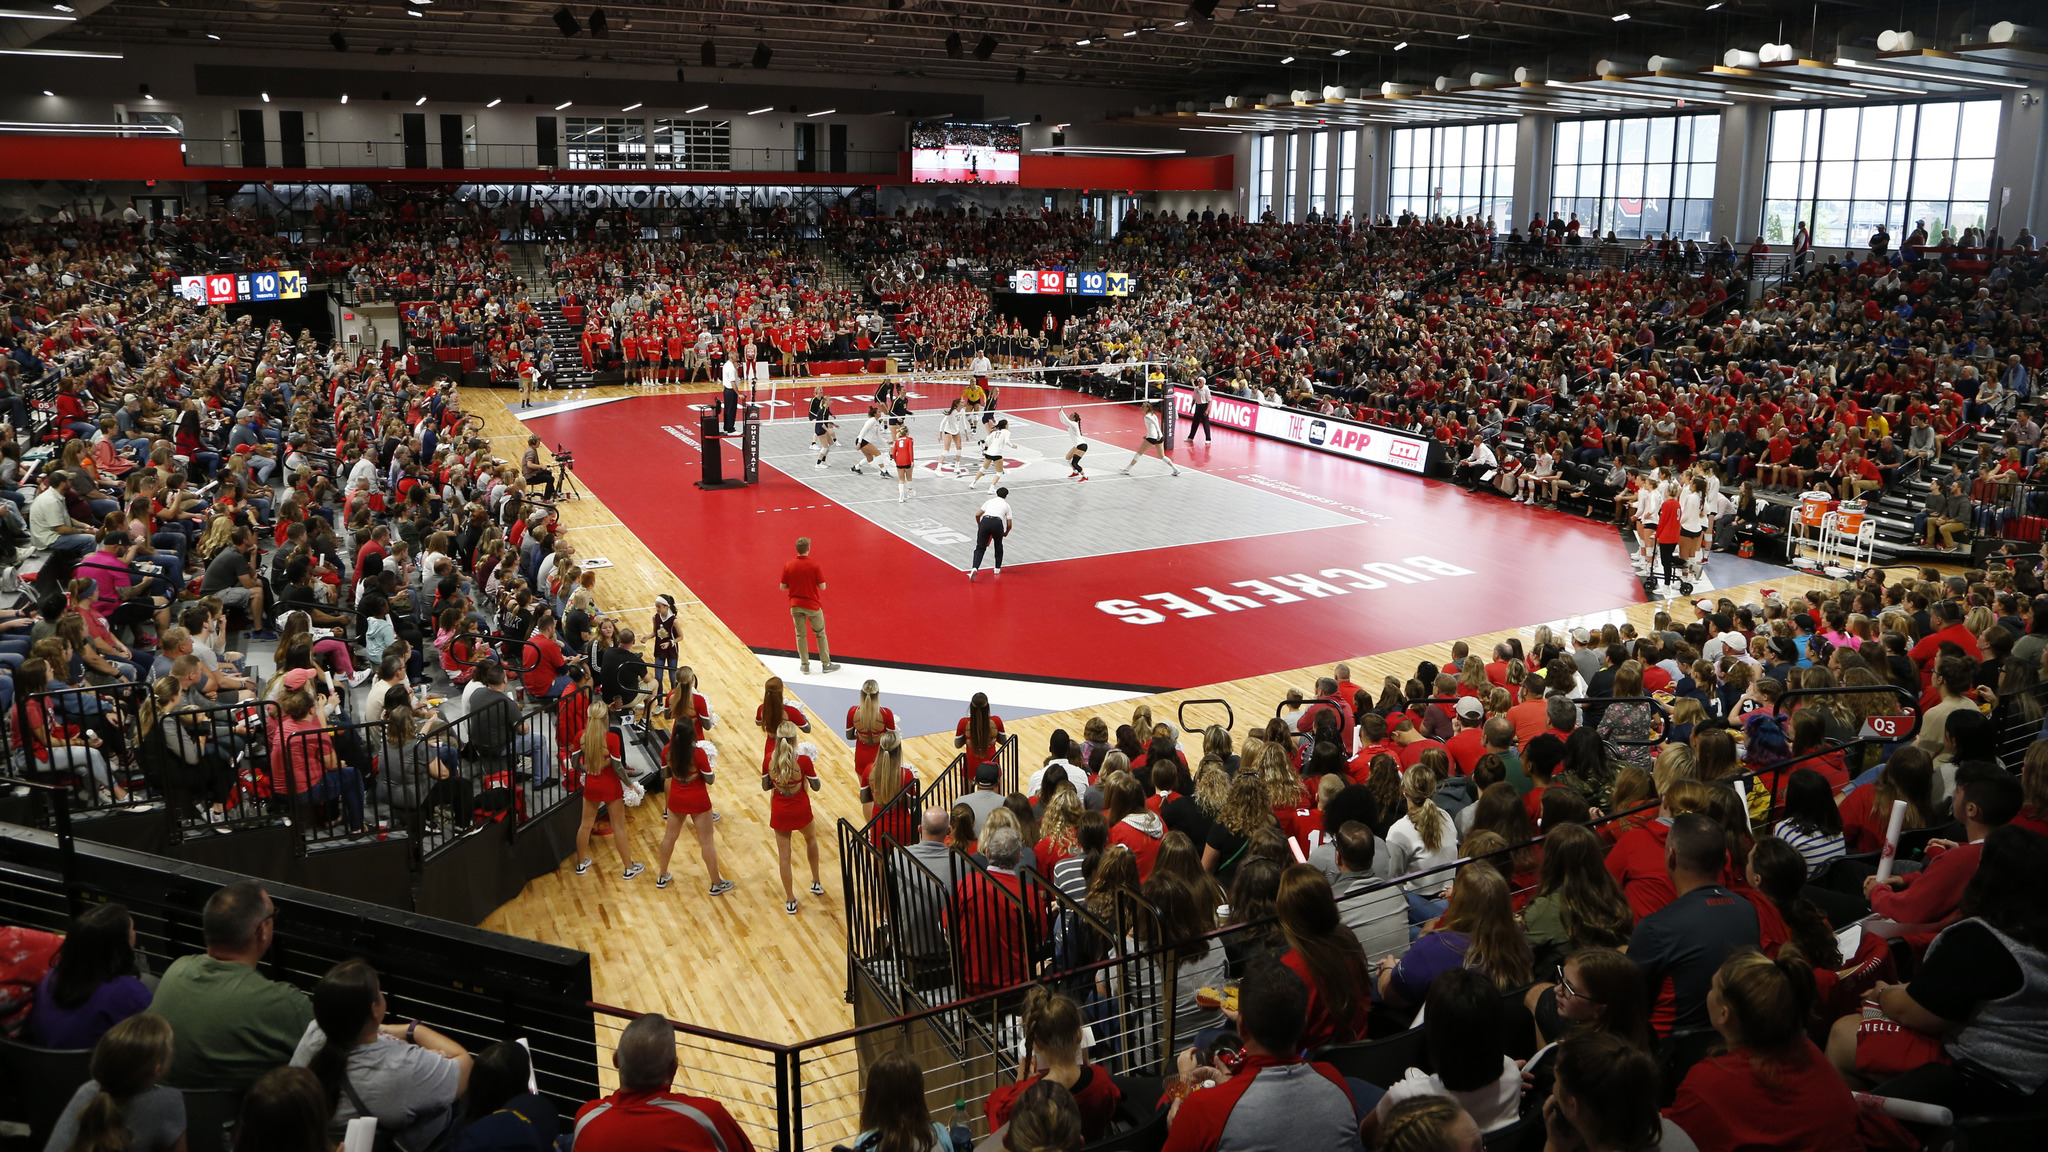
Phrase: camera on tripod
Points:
(564, 457)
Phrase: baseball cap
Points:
(1469, 708)
(1703, 604)
(1581, 636)
(245, 414)
(988, 773)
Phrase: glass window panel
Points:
(1505, 141)
(1838, 134)
(1979, 136)
(1788, 128)
(1592, 142)
(1937, 136)
(1780, 219)
(1874, 179)
(1909, 115)
(1706, 138)
(1837, 178)
(1657, 180)
(1404, 146)
(1634, 137)
(1781, 180)
(1702, 182)
(1973, 180)
(1661, 137)
(1874, 138)
(1830, 223)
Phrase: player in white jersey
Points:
(1155, 440)
(953, 435)
(993, 449)
(869, 441)
(1079, 450)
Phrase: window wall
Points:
(1319, 174)
(606, 143)
(1262, 177)
(1460, 170)
(700, 145)
(1846, 170)
(1347, 173)
(1637, 176)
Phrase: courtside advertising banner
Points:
(1326, 434)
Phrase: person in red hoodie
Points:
(1772, 1088)
(1949, 615)
(1412, 744)
(1986, 797)
(1467, 743)
(1372, 729)
(1637, 859)
(1131, 824)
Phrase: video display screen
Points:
(948, 153)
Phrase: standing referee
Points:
(991, 524)
(1201, 419)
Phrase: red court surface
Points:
(1399, 561)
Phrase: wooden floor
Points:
(737, 962)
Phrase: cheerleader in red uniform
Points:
(604, 781)
(788, 774)
(889, 777)
(689, 799)
(773, 713)
(866, 723)
(687, 705)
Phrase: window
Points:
(609, 143)
(1637, 176)
(1290, 177)
(1845, 171)
(1319, 174)
(693, 145)
(1262, 177)
(1463, 170)
(1347, 173)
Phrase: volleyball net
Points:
(1034, 392)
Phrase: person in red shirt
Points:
(1987, 797)
(546, 676)
(802, 579)
(1772, 1088)
(786, 776)
(1467, 744)
(1327, 956)
(1949, 615)
(1052, 1031)
(1412, 743)
(643, 1115)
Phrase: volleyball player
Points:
(1155, 440)
(866, 723)
(952, 435)
(604, 782)
(991, 523)
(994, 447)
(824, 429)
(675, 356)
(974, 394)
(904, 454)
(869, 439)
(773, 713)
(1079, 451)
(788, 773)
(689, 798)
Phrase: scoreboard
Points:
(243, 287)
(1059, 282)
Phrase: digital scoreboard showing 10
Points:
(243, 287)
(1056, 282)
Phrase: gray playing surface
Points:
(1056, 517)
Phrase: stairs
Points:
(888, 342)
(565, 366)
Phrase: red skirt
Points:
(603, 786)
(688, 799)
(789, 813)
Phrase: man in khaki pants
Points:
(802, 579)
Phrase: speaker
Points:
(986, 48)
(599, 26)
(762, 55)
(566, 21)
(953, 45)
(340, 43)
(708, 55)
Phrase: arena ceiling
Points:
(1160, 46)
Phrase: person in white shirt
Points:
(993, 450)
(869, 441)
(979, 368)
(1079, 451)
(953, 435)
(1202, 399)
(1155, 440)
(991, 523)
(365, 470)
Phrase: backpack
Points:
(26, 956)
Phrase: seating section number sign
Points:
(1057, 282)
(243, 287)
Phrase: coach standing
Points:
(991, 524)
(1201, 419)
(803, 580)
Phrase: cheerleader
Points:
(689, 798)
(952, 435)
(1079, 450)
(888, 778)
(788, 773)
(993, 449)
(866, 723)
(686, 705)
(824, 429)
(604, 782)
(1155, 441)
(775, 712)
(667, 642)
(979, 734)
(904, 454)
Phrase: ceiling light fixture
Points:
(421, 102)
(213, 35)
(1287, 59)
(1083, 42)
(61, 52)
(1341, 52)
(815, 115)
(1464, 35)
(1845, 62)
(344, 97)
(1402, 45)
(1180, 23)
(415, 13)
(1714, 5)
(629, 107)
(698, 108)
(495, 103)
(758, 111)
(1618, 17)
(558, 107)
(47, 92)
(13, 15)
(63, 7)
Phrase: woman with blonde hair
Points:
(899, 822)
(1057, 828)
(1477, 930)
(1424, 837)
(1674, 762)
(1286, 795)
(125, 1107)
(787, 777)
(604, 783)
(689, 799)
(1245, 811)
(866, 722)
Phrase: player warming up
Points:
(991, 524)
(953, 435)
(1155, 441)
(1079, 451)
(993, 449)
(870, 440)
(904, 454)
(788, 775)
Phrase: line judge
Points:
(991, 524)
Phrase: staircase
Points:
(565, 366)
(888, 342)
